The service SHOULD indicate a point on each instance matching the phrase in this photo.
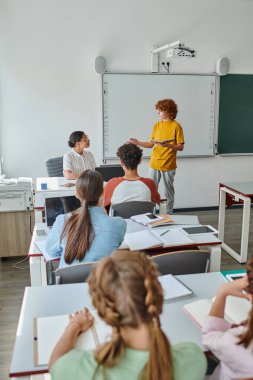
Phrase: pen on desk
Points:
(164, 232)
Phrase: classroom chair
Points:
(54, 167)
(182, 262)
(128, 209)
(73, 274)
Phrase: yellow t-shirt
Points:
(164, 158)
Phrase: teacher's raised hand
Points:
(134, 141)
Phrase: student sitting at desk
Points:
(88, 234)
(232, 345)
(127, 294)
(78, 159)
(131, 187)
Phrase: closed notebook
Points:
(48, 330)
(173, 288)
(156, 238)
(149, 219)
(236, 310)
(166, 219)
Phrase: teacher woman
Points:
(78, 159)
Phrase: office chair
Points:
(182, 262)
(128, 209)
(73, 274)
(54, 167)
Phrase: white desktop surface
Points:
(245, 188)
(54, 183)
(206, 241)
(55, 188)
(65, 299)
(198, 239)
(203, 239)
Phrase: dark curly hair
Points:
(74, 138)
(169, 106)
(130, 155)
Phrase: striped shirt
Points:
(77, 163)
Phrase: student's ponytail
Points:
(78, 229)
(160, 359)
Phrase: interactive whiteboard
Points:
(129, 109)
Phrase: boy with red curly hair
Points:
(166, 139)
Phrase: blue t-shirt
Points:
(109, 234)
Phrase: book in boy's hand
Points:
(161, 141)
(236, 310)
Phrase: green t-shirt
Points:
(189, 363)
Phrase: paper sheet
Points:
(172, 237)
(49, 330)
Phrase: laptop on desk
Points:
(54, 207)
(59, 205)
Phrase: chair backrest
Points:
(54, 167)
(74, 273)
(182, 262)
(128, 209)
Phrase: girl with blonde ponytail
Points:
(232, 345)
(88, 234)
(127, 294)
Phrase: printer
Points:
(16, 194)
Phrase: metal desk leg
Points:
(222, 208)
(38, 271)
(35, 270)
(242, 256)
(215, 257)
(43, 266)
(245, 230)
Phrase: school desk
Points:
(49, 187)
(64, 299)
(233, 193)
(37, 264)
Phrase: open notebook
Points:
(48, 330)
(156, 238)
(236, 310)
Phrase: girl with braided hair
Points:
(232, 345)
(128, 296)
(88, 234)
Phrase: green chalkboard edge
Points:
(235, 117)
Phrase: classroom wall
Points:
(49, 87)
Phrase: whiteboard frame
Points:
(216, 107)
